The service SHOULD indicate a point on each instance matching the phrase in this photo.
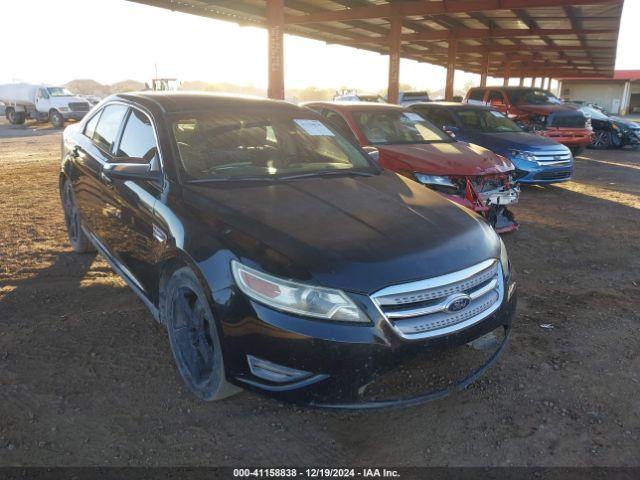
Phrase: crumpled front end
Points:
(489, 195)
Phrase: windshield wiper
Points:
(326, 173)
(270, 178)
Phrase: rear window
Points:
(90, 128)
(415, 96)
(108, 126)
(476, 94)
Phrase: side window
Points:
(476, 94)
(340, 124)
(108, 126)
(90, 127)
(138, 139)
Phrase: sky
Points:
(114, 40)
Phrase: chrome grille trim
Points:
(560, 157)
(483, 284)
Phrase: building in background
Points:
(619, 95)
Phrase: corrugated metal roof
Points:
(581, 35)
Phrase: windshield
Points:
(593, 113)
(384, 127)
(533, 96)
(371, 98)
(488, 121)
(59, 92)
(250, 145)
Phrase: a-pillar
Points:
(275, 28)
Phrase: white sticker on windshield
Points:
(313, 127)
(414, 117)
(496, 114)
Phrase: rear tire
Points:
(193, 337)
(15, 118)
(77, 238)
(56, 118)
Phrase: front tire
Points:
(56, 118)
(77, 238)
(193, 336)
(601, 140)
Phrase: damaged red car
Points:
(407, 143)
(538, 111)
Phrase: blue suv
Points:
(537, 159)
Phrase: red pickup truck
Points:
(407, 143)
(538, 111)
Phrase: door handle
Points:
(106, 179)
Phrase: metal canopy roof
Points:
(537, 38)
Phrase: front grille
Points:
(552, 157)
(79, 106)
(557, 175)
(568, 119)
(426, 308)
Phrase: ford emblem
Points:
(458, 303)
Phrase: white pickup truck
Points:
(24, 101)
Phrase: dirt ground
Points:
(87, 378)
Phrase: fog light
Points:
(273, 372)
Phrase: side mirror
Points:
(450, 130)
(133, 169)
(373, 153)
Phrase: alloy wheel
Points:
(191, 331)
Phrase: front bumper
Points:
(540, 175)
(340, 358)
(73, 115)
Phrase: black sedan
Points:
(608, 132)
(277, 254)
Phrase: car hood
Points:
(502, 142)
(457, 158)
(546, 109)
(358, 234)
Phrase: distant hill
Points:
(91, 87)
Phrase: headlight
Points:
(434, 180)
(520, 155)
(294, 297)
(504, 260)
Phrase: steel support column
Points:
(521, 81)
(485, 69)
(451, 69)
(507, 73)
(275, 28)
(394, 60)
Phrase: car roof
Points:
(351, 106)
(171, 102)
(454, 106)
